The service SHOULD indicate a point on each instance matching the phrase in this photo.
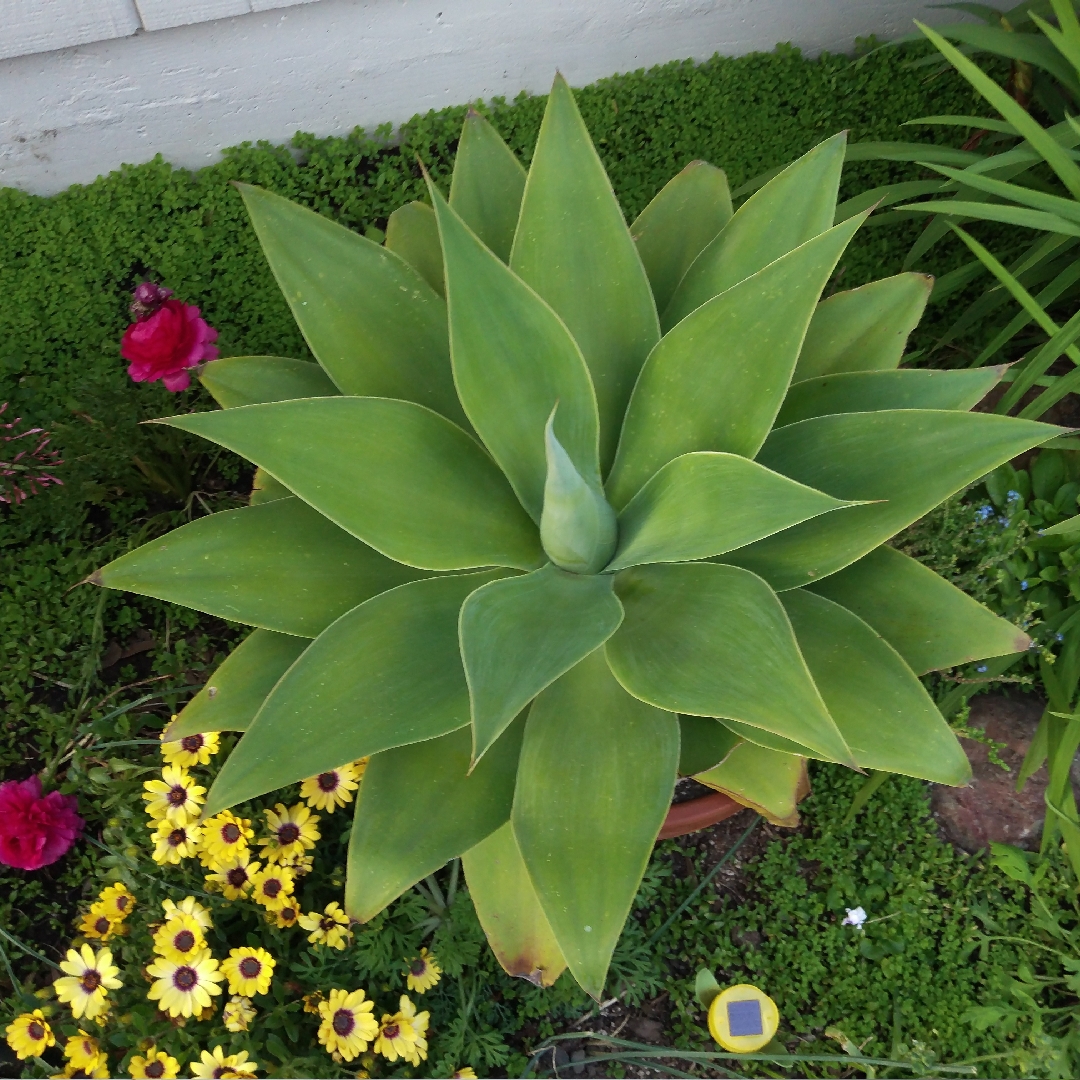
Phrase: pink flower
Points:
(168, 342)
(35, 831)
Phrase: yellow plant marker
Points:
(743, 1019)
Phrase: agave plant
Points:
(567, 509)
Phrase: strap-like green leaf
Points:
(674, 229)
(573, 247)
(716, 381)
(250, 380)
(419, 807)
(885, 715)
(713, 640)
(388, 673)
(281, 566)
(761, 737)
(413, 234)
(514, 360)
(520, 634)
(400, 477)
(509, 909)
(864, 329)
(766, 780)
(594, 785)
(703, 742)
(264, 489)
(929, 622)
(394, 343)
(793, 207)
(1009, 215)
(487, 185)
(873, 391)
(912, 459)
(233, 694)
(705, 504)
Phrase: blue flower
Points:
(1012, 496)
(1023, 585)
(1060, 636)
(981, 667)
(984, 512)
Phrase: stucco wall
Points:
(69, 114)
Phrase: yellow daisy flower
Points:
(464, 1073)
(330, 928)
(249, 971)
(175, 798)
(238, 1012)
(29, 1035)
(347, 1023)
(88, 978)
(180, 938)
(424, 972)
(284, 917)
(184, 988)
(191, 750)
(216, 1065)
(292, 832)
(172, 843)
(330, 789)
(419, 1022)
(116, 902)
(157, 1065)
(234, 876)
(298, 864)
(99, 1072)
(312, 1001)
(95, 924)
(396, 1038)
(224, 835)
(273, 887)
(188, 906)
(83, 1052)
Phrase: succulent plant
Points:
(567, 509)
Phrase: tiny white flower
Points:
(855, 917)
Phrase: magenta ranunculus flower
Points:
(35, 830)
(167, 338)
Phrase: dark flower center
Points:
(272, 888)
(237, 877)
(288, 834)
(101, 926)
(343, 1022)
(391, 1031)
(121, 902)
(184, 941)
(250, 967)
(35, 1030)
(91, 980)
(177, 837)
(220, 1071)
(80, 1074)
(288, 914)
(328, 781)
(418, 967)
(327, 923)
(192, 743)
(178, 795)
(155, 1068)
(231, 833)
(185, 978)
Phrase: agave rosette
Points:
(567, 509)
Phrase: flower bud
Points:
(147, 298)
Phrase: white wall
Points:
(70, 114)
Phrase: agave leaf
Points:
(264, 489)
(520, 634)
(703, 742)
(793, 207)
(873, 391)
(705, 504)
(885, 715)
(513, 361)
(250, 380)
(765, 780)
(509, 909)
(393, 344)
(413, 234)
(594, 784)
(573, 247)
(864, 329)
(761, 737)
(232, 695)
(398, 476)
(388, 673)
(673, 230)
(281, 566)
(716, 381)
(418, 808)
(912, 459)
(487, 185)
(713, 640)
(928, 621)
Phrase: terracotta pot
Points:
(688, 817)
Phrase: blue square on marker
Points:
(744, 1017)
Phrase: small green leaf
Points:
(573, 247)
(388, 673)
(880, 707)
(251, 380)
(392, 345)
(674, 229)
(413, 234)
(705, 504)
(487, 185)
(765, 780)
(704, 742)
(713, 640)
(520, 634)
(911, 459)
(509, 909)
(928, 621)
(793, 207)
(233, 694)
(594, 785)
(418, 808)
(705, 988)
(398, 476)
(281, 566)
(872, 391)
(864, 329)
